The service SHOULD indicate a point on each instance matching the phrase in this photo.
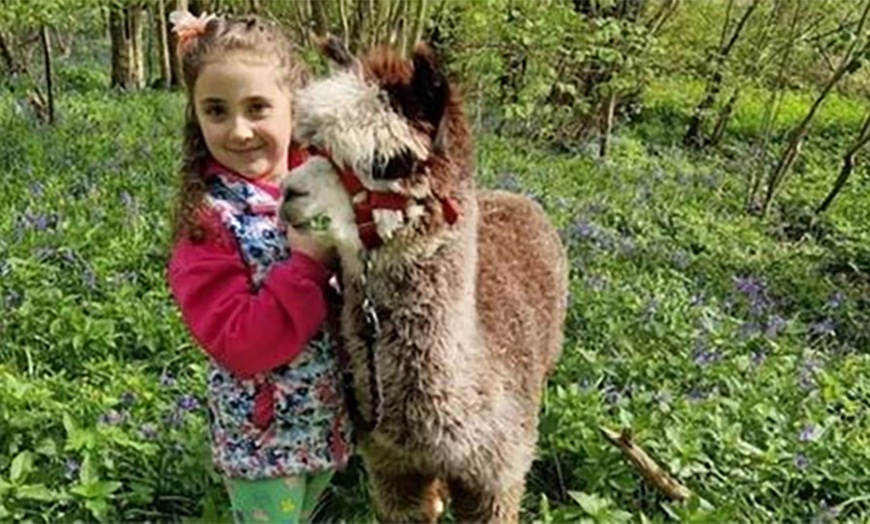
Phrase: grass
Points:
(734, 347)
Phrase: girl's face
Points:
(244, 113)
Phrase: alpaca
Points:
(454, 297)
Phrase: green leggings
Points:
(288, 500)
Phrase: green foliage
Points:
(736, 349)
(541, 68)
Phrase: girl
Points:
(252, 293)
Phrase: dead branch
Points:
(647, 467)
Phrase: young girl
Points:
(252, 293)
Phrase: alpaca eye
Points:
(397, 166)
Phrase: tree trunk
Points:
(694, 135)
(174, 62)
(848, 165)
(724, 116)
(126, 31)
(792, 150)
(320, 17)
(46, 57)
(15, 66)
(164, 62)
(606, 125)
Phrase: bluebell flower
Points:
(187, 403)
(167, 380)
(112, 418)
(801, 462)
(148, 431)
(71, 468)
(808, 433)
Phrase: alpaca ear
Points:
(429, 83)
(336, 51)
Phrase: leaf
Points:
(592, 504)
(47, 447)
(88, 473)
(748, 449)
(36, 492)
(22, 465)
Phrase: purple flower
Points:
(187, 403)
(824, 328)
(35, 188)
(774, 325)
(704, 356)
(749, 286)
(148, 431)
(71, 468)
(758, 358)
(596, 283)
(89, 279)
(808, 433)
(696, 395)
(611, 394)
(112, 417)
(836, 300)
(167, 380)
(801, 462)
(13, 299)
(584, 230)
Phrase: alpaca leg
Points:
(475, 504)
(406, 497)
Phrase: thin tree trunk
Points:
(848, 165)
(771, 110)
(174, 63)
(164, 62)
(607, 125)
(694, 134)
(847, 65)
(320, 17)
(46, 57)
(724, 116)
(17, 67)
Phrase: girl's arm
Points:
(247, 332)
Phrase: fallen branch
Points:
(651, 471)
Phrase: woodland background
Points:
(705, 161)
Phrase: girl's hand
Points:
(314, 245)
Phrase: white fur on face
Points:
(353, 121)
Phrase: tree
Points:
(851, 60)
(25, 24)
(694, 135)
(126, 31)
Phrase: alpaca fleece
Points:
(471, 312)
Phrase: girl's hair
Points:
(248, 34)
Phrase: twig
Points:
(651, 471)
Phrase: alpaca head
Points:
(396, 125)
(387, 118)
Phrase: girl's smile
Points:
(244, 113)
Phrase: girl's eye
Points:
(259, 108)
(214, 111)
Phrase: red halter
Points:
(365, 201)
